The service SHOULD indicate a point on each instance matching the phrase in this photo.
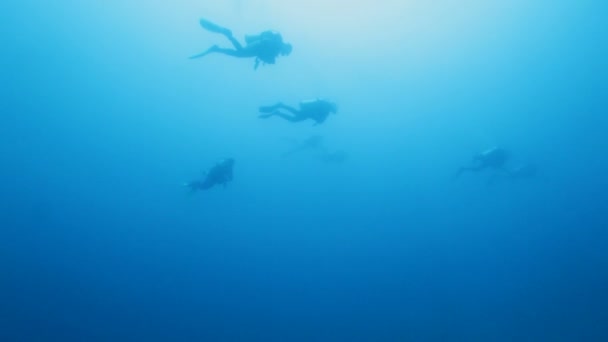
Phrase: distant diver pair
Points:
(496, 158)
(317, 110)
(220, 174)
(264, 47)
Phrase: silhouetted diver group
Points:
(265, 48)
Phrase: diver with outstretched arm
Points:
(220, 174)
(264, 47)
(317, 110)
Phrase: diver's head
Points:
(286, 49)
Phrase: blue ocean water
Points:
(104, 118)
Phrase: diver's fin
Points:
(205, 53)
(458, 173)
(212, 27)
(267, 109)
(199, 55)
(188, 185)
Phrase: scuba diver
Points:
(265, 47)
(220, 173)
(317, 110)
(312, 143)
(315, 146)
(493, 158)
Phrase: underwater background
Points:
(104, 118)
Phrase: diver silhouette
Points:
(317, 110)
(219, 174)
(493, 158)
(264, 47)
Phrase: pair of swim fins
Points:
(267, 109)
(211, 27)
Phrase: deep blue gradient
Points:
(104, 118)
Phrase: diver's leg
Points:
(224, 51)
(273, 113)
(290, 118)
(206, 185)
(230, 52)
(294, 111)
(267, 115)
(270, 109)
(234, 42)
(194, 185)
(215, 28)
(279, 105)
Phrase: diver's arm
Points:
(320, 120)
(264, 60)
(227, 177)
(268, 59)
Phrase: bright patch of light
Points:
(341, 23)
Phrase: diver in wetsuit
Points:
(315, 145)
(317, 110)
(312, 143)
(219, 174)
(493, 158)
(264, 47)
